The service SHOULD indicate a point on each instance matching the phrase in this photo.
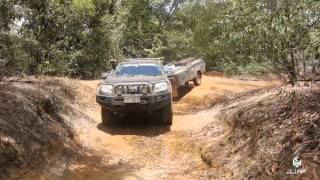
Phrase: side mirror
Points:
(104, 75)
(113, 63)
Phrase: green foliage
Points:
(72, 38)
(236, 36)
(141, 34)
(79, 37)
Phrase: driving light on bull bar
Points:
(144, 89)
(118, 90)
(104, 89)
(161, 87)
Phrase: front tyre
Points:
(107, 117)
(166, 112)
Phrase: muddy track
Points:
(146, 152)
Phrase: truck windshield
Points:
(138, 70)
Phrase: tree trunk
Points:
(2, 68)
(140, 25)
(303, 63)
(112, 7)
(317, 60)
(292, 76)
(292, 73)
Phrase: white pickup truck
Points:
(181, 72)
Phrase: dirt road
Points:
(153, 152)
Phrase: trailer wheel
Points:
(107, 117)
(197, 79)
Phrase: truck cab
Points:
(136, 85)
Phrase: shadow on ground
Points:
(183, 91)
(139, 130)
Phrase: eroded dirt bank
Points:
(271, 127)
(35, 126)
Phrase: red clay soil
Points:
(43, 120)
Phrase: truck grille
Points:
(133, 88)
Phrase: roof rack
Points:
(143, 59)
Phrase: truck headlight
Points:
(144, 89)
(161, 87)
(118, 90)
(104, 89)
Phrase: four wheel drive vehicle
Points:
(136, 85)
(145, 85)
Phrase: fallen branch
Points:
(22, 81)
(308, 80)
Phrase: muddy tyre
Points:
(107, 117)
(197, 79)
(166, 115)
